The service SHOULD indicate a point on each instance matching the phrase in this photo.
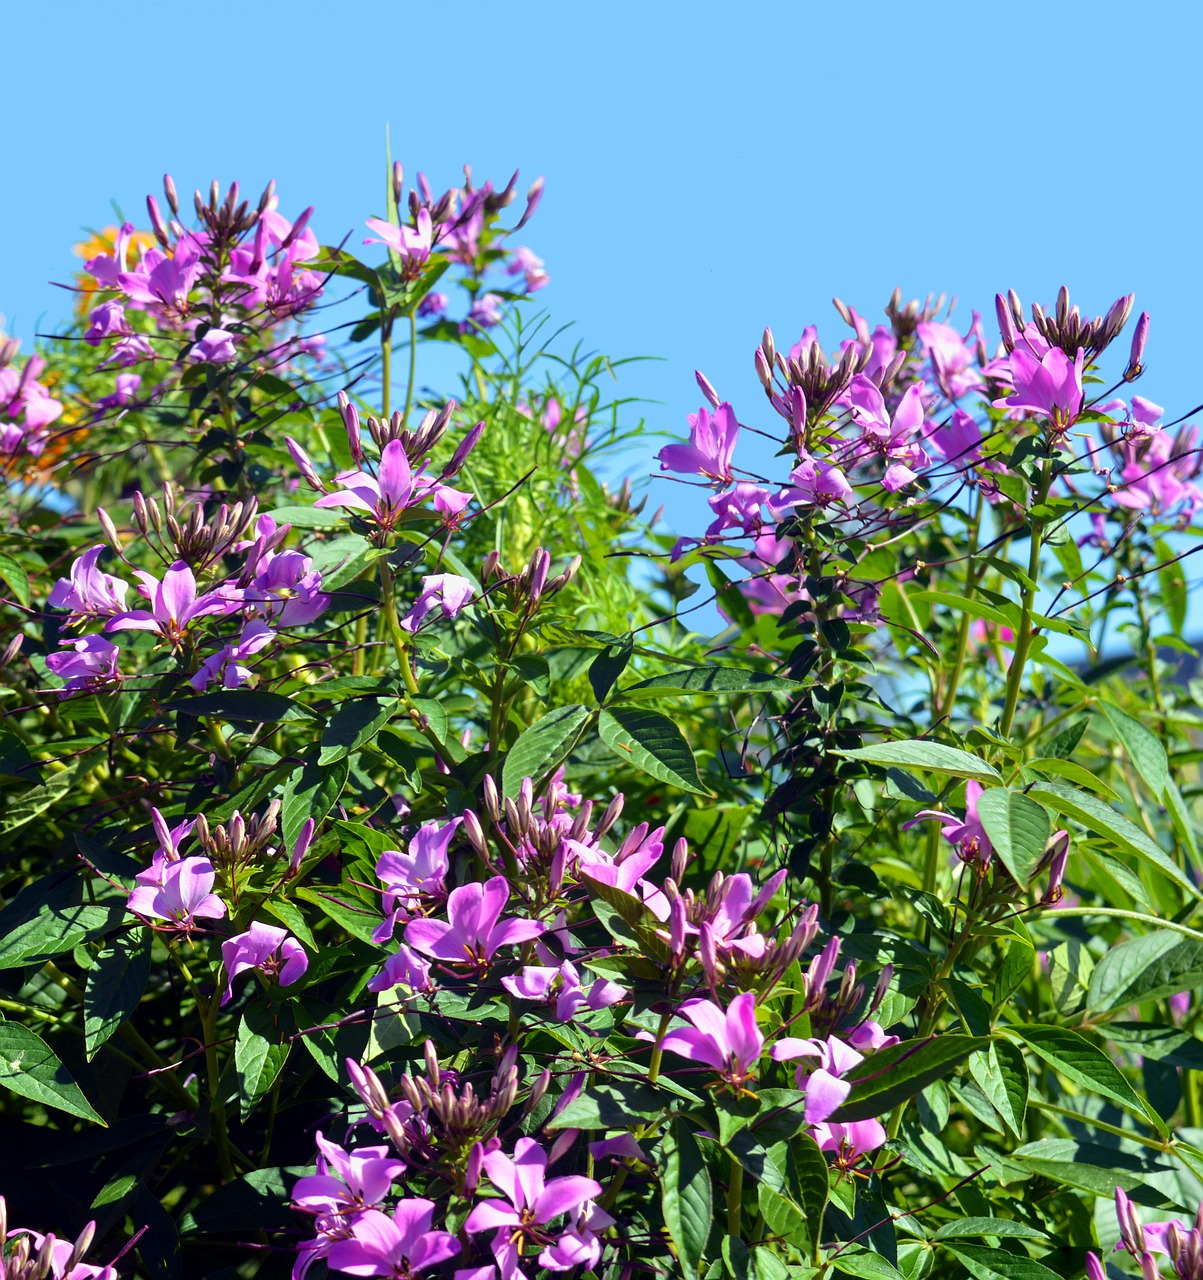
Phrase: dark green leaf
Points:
(892, 1075)
(1079, 1060)
(243, 706)
(988, 1227)
(609, 664)
(310, 792)
(931, 757)
(542, 747)
(653, 743)
(115, 984)
(709, 680)
(1018, 829)
(30, 1067)
(355, 722)
(611, 1105)
(996, 1264)
(1101, 818)
(260, 1052)
(50, 917)
(16, 577)
(1143, 747)
(685, 1195)
(1002, 1075)
(1159, 964)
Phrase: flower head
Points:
(274, 952)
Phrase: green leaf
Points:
(1091, 812)
(611, 1105)
(989, 1227)
(1016, 969)
(892, 1075)
(865, 1264)
(1079, 1060)
(16, 577)
(709, 680)
(609, 664)
(260, 1052)
(115, 984)
(309, 518)
(756, 1263)
(258, 1200)
(357, 920)
(355, 722)
(19, 810)
(533, 671)
(292, 918)
(50, 917)
(542, 747)
(244, 706)
(652, 743)
(1071, 773)
(1018, 829)
(1159, 964)
(310, 792)
(997, 1264)
(30, 1067)
(685, 1195)
(932, 757)
(1002, 1075)
(1143, 747)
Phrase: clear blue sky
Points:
(711, 168)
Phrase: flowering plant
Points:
(394, 886)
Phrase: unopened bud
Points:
(1140, 336)
(109, 529)
(157, 225)
(11, 650)
(475, 832)
(707, 390)
(533, 196)
(1006, 326)
(398, 182)
(491, 798)
(173, 199)
(466, 445)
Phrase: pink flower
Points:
(274, 952)
(417, 874)
(1049, 385)
(346, 1182)
(396, 1246)
(533, 1204)
(443, 590)
(813, 483)
(968, 834)
(404, 969)
(174, 604)
(91, 661)
(473, 935)
(89, 593)
(824, 1085)
(216, 347)
(849, 1141)
(228, 663)
(562, 985)
(185, 893)
(729, 1042)
(411, 244)
(711, 445)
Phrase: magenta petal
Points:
(396, 479)
(824, 1093)
(564, 1195)
(489, 1215)
(435, 938)
(512, 931)
(697, 1046)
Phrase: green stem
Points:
(1114, 912)
(735, 1197)
(653, 1073)
(413, 366)
(393, 623)
(1023, 641)
(207, 1011)
(386, 364)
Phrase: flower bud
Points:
(173, 199)
(11, 650)
(533, 196)
(398, 182)
(707, 390)
(1005, 326)
(1140, 336)
(460, 456)
(157, 225)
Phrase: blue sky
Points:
(710, 169)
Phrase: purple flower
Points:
(968, 834)
(562, 986)
(403, 969)
(184, 894)
(952, 358)
(107, 321)
(274, 952)
(526, 263)
(91, 661)
(346, 1182)
(484, 313)
(227, 664)
(174, 604)
(1049, 385)
(473, 935)
(824, 1085)
(711, 445)
(533, 1203)
(396, 1246)
(729, 1042)
(446, 590)
(434, 305)
(813, 483)
(893, 438)
(88, 593)
(216, 347)
(411, 244)
(417, 874)
(849, 1141)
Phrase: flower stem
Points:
(735, 1196)
(413, 366)
(392, 622)
(1023, 641)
